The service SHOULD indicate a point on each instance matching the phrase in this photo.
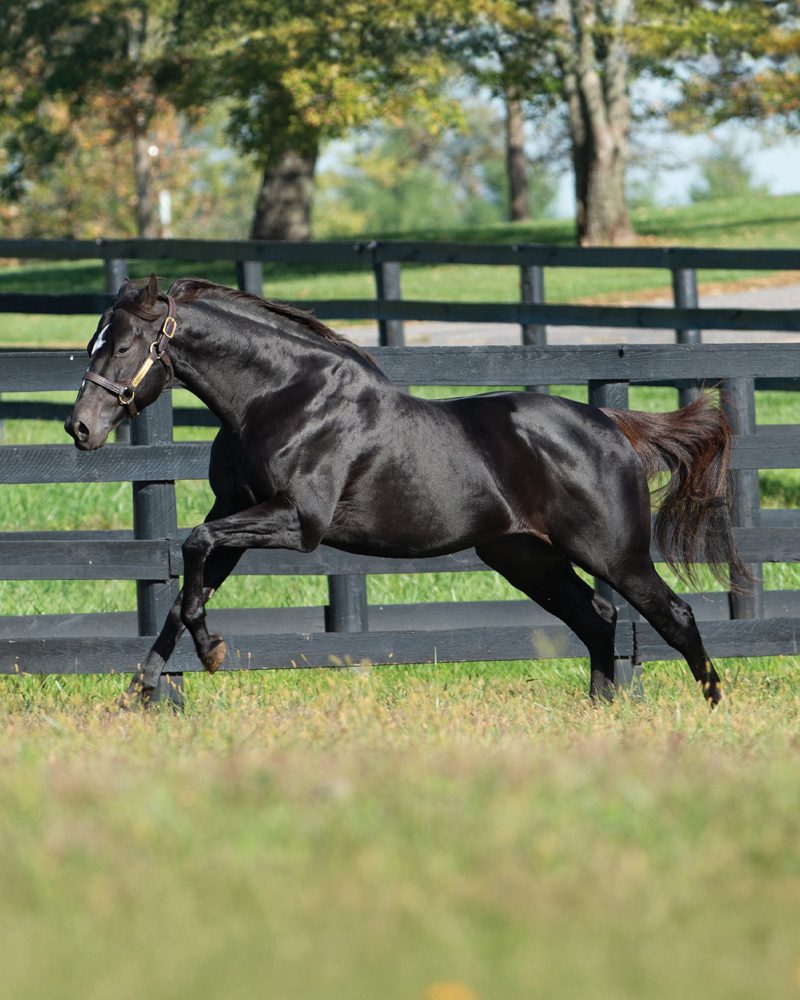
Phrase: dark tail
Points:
(694, 519)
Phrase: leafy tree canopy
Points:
(731, 59)
(400, 177)
(302, 71)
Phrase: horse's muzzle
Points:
(80, 434)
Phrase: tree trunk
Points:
(283, 207)
(137, 103)
(142, 169)
(604, 214)
(601, 215)
(595, 78)
(516, 161)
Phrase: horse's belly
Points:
(395, 527)
(396, 548)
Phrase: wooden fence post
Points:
(347, 592)
(627, 672)
(746, 597)
(250, 276)
(155, 516)
(391, 332)
(684, 296)
(116, 270)
(347, 607)
(531, 287)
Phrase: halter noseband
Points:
(157, 351)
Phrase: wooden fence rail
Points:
(386, 258)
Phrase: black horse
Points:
(318, 446)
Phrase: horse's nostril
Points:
(80, 430)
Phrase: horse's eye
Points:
(123, 350)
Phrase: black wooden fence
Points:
(532, 313)
(755, 623)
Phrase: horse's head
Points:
(129, 367)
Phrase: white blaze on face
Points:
(100, 342)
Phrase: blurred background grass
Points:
(374, 833)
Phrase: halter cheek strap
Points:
(157, 351)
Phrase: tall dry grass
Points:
(403, 833)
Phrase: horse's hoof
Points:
(139, 702)
(137, 697)
(216, 654)
(602, 690)
(128, 702)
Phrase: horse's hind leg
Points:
(671, 617)
(547, 577)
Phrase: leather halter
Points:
(157, 351)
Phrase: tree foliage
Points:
(728, 58)
(402, 177)
(724, 173)
(100, 63)
(309, 71)
(574, 55)
(292, 73)
(300, 72)
(89, 190)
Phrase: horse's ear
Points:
(151, 291)
(127, 290)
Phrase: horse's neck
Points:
(228, 358)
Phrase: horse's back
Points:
(535, 419)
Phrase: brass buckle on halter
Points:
(169, 327)
(126, 396)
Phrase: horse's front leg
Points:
(145, 684)
(143, 689)
(273, 524)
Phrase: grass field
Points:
(441, 833)
(458, 832)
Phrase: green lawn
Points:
(437, 834)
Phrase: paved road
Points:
(779, 297)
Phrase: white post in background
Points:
(165, 213)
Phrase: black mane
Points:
(190, 289)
